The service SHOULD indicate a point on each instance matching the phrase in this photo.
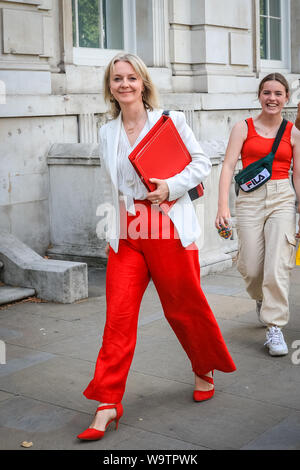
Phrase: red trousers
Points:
(175, 272)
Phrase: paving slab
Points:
(228, 306)
(223, 284)
(83, 346)
(36, 331)
(49, 427)
(77, 311)
(29, 415)
(4, 396)
(279, 387)
(19, 364)
(55, 379)
(51, 351)
(283, 436)
(217, 423)
(96, 278)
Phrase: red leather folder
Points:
(162, 154)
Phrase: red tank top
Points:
(256, 147)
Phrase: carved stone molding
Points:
(87, 128)
(159, 46)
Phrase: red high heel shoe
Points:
(92, 434)
(202, 395)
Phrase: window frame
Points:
(285, 63)
(99, 56)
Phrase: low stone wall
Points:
(52, 280)
(77, 188)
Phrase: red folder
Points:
(162, 154)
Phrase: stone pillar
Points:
(211, 45)
(151, 30)
(216, 254)
(73, 206)
(153, 41)
(295, 36)
(67, 34)
(87, 128)
(159, 33)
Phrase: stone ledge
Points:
(74, 154)
(217, 260)
(92, 256)
(76, 104)
(76, 240)
(10, 294)
(56, 281)
(88, 154)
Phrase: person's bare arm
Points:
(234, 147)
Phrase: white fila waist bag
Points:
(258, 173)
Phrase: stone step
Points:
(52, 280)
(10, 294)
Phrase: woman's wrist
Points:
(223, 207)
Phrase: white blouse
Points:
(130, 185)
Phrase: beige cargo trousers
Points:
(266, 228)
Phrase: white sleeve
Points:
(105, 208)
(196, 171)
(105, 175)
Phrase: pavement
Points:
(50, 352)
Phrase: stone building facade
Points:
(206, 57)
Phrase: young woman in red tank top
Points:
(266, 217)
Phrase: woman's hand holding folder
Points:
(161, 193)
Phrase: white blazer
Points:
(182, 212)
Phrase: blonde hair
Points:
(149, 95)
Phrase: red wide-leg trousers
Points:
(175, 272)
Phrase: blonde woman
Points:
(134, 258)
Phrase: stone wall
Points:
(77, 185)
(210, 39)
(202, 54)
(24, 177)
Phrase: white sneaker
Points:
(258, 309)
(275, 342)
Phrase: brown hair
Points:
(150, 95)
(274, 76)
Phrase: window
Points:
(270, 30)
(101, 28)
(274, 33)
